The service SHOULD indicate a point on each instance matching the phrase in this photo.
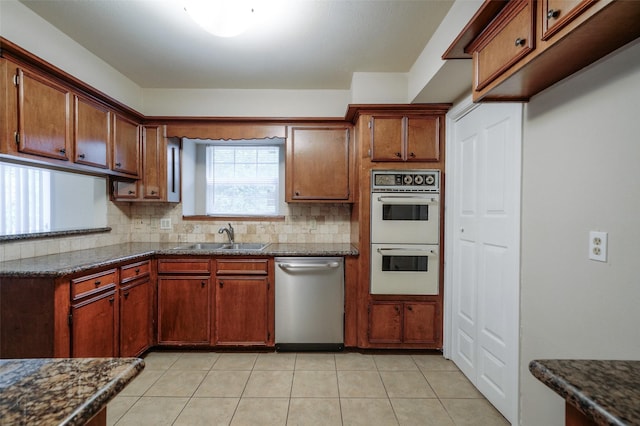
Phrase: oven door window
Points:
(405, 212)
(394, 263)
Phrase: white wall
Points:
(581, 172)
(23, 27)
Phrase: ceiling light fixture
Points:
(223, 18)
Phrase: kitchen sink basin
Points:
(224, 246)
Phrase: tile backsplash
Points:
(140, 222)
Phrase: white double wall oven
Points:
(405, 232)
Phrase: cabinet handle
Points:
(297, 193)
(62, 151)
(409, 308)
(81, 156)
(412, 155)
(221, 284)
(397, 309)
(126, 295)
(118, 164)
(137, 271)
(520, 41)
(553, 13)
(131, 192)
(398, 155)
(202, 284)
(111, 299)
(97, 283)
(153, 192)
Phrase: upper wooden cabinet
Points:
(521, 47)
(319, 165)
(92, 132)
(126, 146)
(160, 170)
(405, 138)
(44, 116)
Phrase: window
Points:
(242, 180)
(25, 205)
(36, 200)
(234, 178)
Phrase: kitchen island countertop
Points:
(606, 392)
(58, 265)
(61, 391)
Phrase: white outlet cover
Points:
(165, 223)
(598, 246)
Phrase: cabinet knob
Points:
(62, 151)
(96, 283)
(81, 156)
(520, 41)
(111, 299)
(131, 192)
(126, 295)
(297, 193)
(221, 284)
(203, 283)
(137, 271)
(409, 308)
(118, 164)
(553, 13)
(153, 192)
(398, 154)
(412, 155)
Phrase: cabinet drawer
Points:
(91, 284)
(242, 266)
(134, 271)
(504, 44)
(184, 266)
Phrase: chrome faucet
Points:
(229, 232)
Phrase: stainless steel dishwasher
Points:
(309, 303)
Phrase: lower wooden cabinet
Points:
(136, 312)
(244, 314)
(242, 311)
(94, 327)
(397, 324)
(184, 310)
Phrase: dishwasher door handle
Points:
(309, 266)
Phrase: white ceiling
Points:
(308, 44)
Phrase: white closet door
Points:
(484, 212)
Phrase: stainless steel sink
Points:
(224, 246)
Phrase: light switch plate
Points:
(598, 246)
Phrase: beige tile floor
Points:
(208, 388)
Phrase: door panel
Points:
(485, 147)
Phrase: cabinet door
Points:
(183, 310)
(126, 143)
(420, 319)
(387, 137)
(135, 318)
(92, 132)
(423, 139)
(153, 169)
(242, 311)
(556, 14)
(318, 164)
(385, 322)
(44, 111)
(93, 327)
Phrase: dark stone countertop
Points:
(57, 265)
(608, 392)
(61, 391)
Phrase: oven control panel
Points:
(405, 181)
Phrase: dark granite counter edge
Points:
(270, 251)
(40, 235)
(94, 405)
(572, 394)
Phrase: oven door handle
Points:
(407, 252)
(407, 199)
